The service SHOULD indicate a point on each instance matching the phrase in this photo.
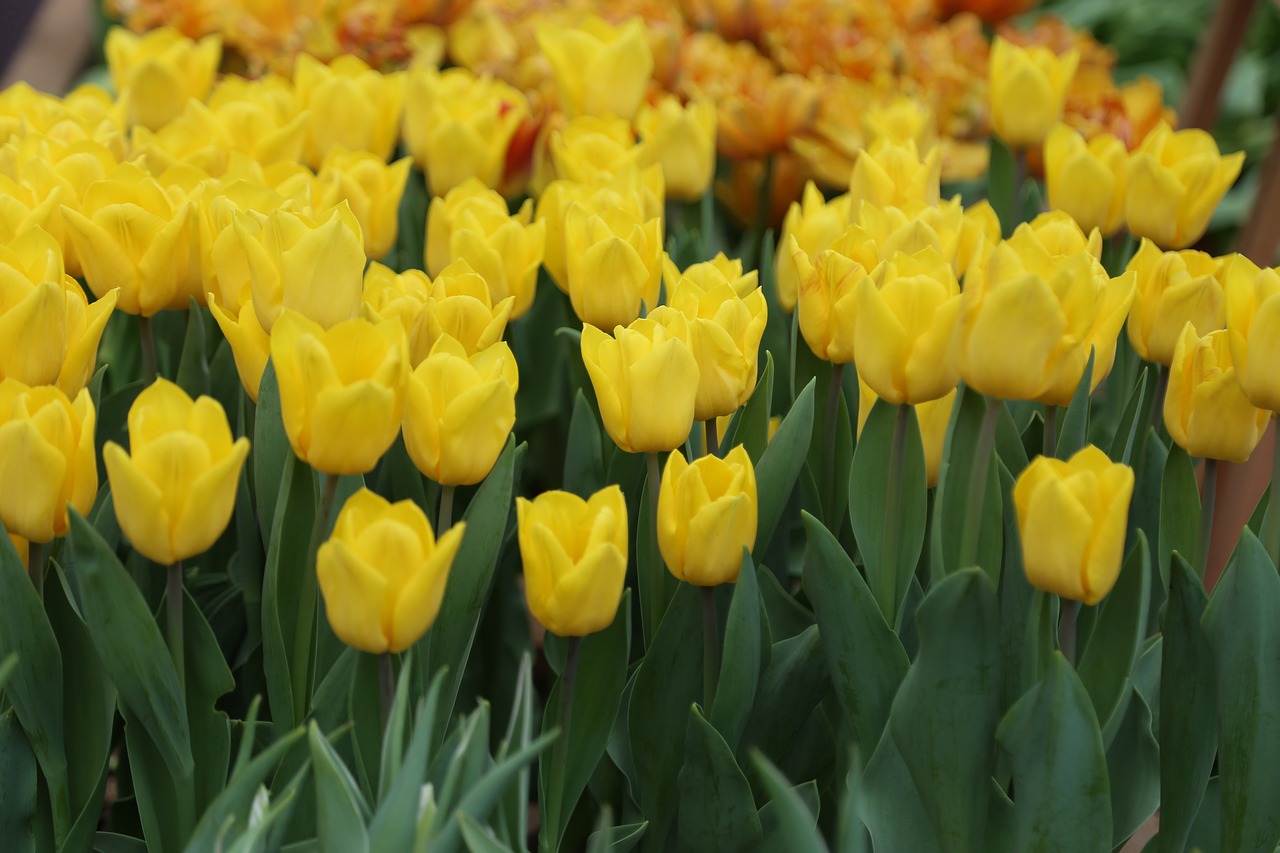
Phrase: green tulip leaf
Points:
(193, 365)
(751, 427)
(891, 807)
(791, 687)
(1133, 766)
(584, 456)
(778, 469)
(1132, 422)
(797, 826)
(479, 839)
(17, 786)
(207, 680)
(340, 808)
(950, 515)
(515, 807)
(616, 839)
(1004, 196)
(1073, 432)
(393, 825)
(717, 811)
(271, 449)
(740, 665)
(773, 816)
(1179, 510)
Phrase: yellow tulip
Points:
(383, 572)
(395, 296)
(1072, 518)
(250, 344)
(372, 188)
(458, 126)
(646, 380)
(1174, 288)
(130, 235)
(1205, 410)
(707, 513)
(21, 209)
(682, 138)
(458, 306)
(1087, 179)
(614, 264)
(1027, 88)
(599, 69)
(1253, 322)
(901, 120)
(350, 105)
(49, 331)
(341, 389)
(262, 116)
(155, 73)
(890, 174)
(47, 459)
(904, 341)
(878, 233)
(979, 233)
(224, 265)
(590, 149)
(23, 547)
(933, 417)
(726, 314)
(194, 137)
(815, 223)
(1175, 180)
(574, 553)
(827, 301)
(174, 489)
(298, 263)
(459, 410)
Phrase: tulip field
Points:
(627, 425)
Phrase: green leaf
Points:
(864, 657)
(740, 665)
(797, 825)
(881, 496)
(1000, 185)
(1062, 796)
(515, 814)
(669, 678)
(1179, 509)
(945, 713)
(1245, 637)
(584, 456)
(340, 809)
(1106, 664)
(752, 430)
(17, 786)
(779, 466)
(951, 503)
(1133, 767)
(1188, 708)
(394, 822)
(1132, 422)
(1073, 432)
(717, 810)
(616, 839)
(271, 450)
(772, 828)
(791, 687)
(208, 679)
(891, 806)
(193, 366)
(477, 838)
(164, 801)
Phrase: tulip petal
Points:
(353, 597)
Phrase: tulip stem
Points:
(655, 604)
(568, 678)
(173, 624)
(1271, 527)
(1208, 499)
(710, 646)
(1067, 629)
(37, 563)
(305, 631)
(1157, 399)
(1050, 431)
(713, 441)
(834, 393)
(885, 580)
(147, 342)
(978, 483)
(386, 686)
(444, 518)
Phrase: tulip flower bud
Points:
(814, 223)
(901, 120)
(261, 117)
(459, 410)
(1253, 324)
(979, 233)
(599, 69)
(726, 313)
(383, 572)
(174, 489)
(47, 459)
(1205, 410)
(879, 233)
(341, 389)
(827, 302)
(933, 417)
(458, 306)
(250, 344)
(904, 343)
(372, 188)
(707, 513)
(157, 72)
(891, 174)
(646, 380)
(575, 558)
(589, 149)
(1027, 89)
(683, 140)
(614, 264)
(349, 105)
(1175, 180)
(1072, 518)
(1173, 289)
(395, 296)
(1087, 179)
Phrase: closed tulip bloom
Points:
(372, 188)
(224, 264)
(904, 343)
(395, 296)
(1087, 179)
(933, 417)
(815, 223)
(979, 233)
(298, 263)
(175, 487)
(349, 105)
(683, 139)
(157, 72)
(879, 233)
(574, 553)
(458, 126)
(262, 117)
(614, 264)
(47, 459)
(1072, 518)
(901, 119)
(1174, 288)
(646, 380)
(1205, 410)
(893, 174)
(383, 572)
(341, 389)
(827, 302)
(1176, 180)
(458, 306)
(599, 69)
(591, 148)
(129, 235)
(707, 513)
(726, 315)
(250, 344)
(459, 410)
(1027, 88)
(1253, 324)
(49, 331)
